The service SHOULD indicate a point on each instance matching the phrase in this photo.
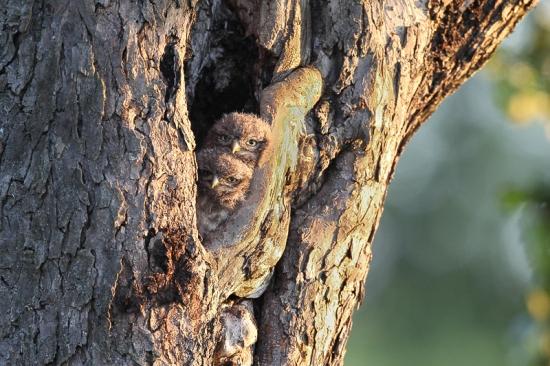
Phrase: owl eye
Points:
(224, 138)
(252, 142)
(232, 180)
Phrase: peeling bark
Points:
(102, 105)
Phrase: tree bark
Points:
(102, 106)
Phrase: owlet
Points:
(244, 135)
(222, 185)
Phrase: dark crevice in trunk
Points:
(171, 70)
(227, 79)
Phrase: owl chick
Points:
(244, 135)
(223, 184)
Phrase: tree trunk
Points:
(102, 106)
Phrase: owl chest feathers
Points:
(210, 215)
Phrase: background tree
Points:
(103, 104)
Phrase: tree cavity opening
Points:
(221, 72)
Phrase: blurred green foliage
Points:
(521, 70)
(461, 270)
(522, 75)
(535, 206)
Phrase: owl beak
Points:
(215, 182)
(235, 148)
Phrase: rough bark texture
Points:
(102, 105)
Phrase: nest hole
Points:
(226, 60)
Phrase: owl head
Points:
(223, 178)
(244, 135)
